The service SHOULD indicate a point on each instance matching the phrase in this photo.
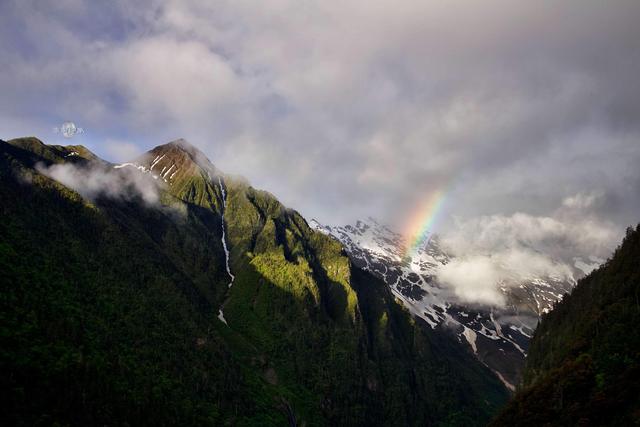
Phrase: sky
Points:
(522, 114)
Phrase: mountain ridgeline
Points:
(117, 307)
(497, 335)
(583, 367)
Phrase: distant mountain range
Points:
(498, 336)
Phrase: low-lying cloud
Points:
(96, 181)
(498, 251)
(479, 278)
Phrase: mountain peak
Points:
(182, 144)
(173, 161)
(181, 148)
(53, 153)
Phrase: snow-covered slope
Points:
(498, 336)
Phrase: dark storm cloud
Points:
(351, 109)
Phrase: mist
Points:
(95, 180)
(499, 251)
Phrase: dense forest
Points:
(583, 366)
(109, 308)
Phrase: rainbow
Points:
(420, 228)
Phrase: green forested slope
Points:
(108, 315)
(583, 366)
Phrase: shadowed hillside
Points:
(110, 300)
(584, 363)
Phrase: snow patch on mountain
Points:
(471, 339)
(497, 335)
(162, 175)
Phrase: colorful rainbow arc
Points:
(420, 228)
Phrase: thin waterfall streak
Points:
(224, 239)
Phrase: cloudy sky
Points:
(522, 112)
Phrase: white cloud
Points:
(363, 105)
(581, 200)
(169, 79)
(479, 278)
(101, 181)
(504, 251)
(121, 151)
(558, 236)
(473, 279)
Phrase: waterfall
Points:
(224, 245)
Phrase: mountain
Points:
(163, 291)
(584, 363)
(497, 336)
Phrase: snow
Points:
(501, 335)
(383, 253)
(521, 330)
(412, 278)
(471, 338)
(167, 172)
(414, 308)
(140, 168)
(133, 165)
(156, 161)
(504, 381)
